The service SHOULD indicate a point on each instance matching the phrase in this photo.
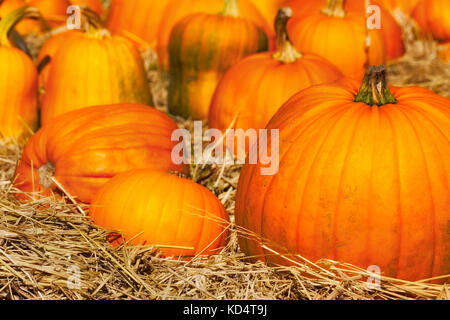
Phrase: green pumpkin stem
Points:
(94, 25)
(8, 23)
(334, 8)
(374, 89)
(230, 8)
(286, 52)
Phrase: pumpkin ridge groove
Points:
(358, 120)
(427, 174)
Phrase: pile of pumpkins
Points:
(363, 174)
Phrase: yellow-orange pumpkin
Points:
(434, 16)
(175, 214)
(177, 10)
(202, 48)
(252, 91)
(84, 148)
(138, 19)
(94, 68)
(363, 178)
(18, 82)
(339, 36)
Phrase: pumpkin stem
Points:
(374, 89)
(46, 173)
(230, 8)
(94, 25)
(334, 8)
(8, 23)
(286, 52)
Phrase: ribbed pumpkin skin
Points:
(359, 184)
(95, 5)
(141, 18)
(434, 16)
(329, 37)
(89, 146)
(202, 48)
(91, 71)
(257, 87)
(50, 47)
(176, 10)
(18, 93)
(165, 210)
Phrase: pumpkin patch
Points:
(242, 150)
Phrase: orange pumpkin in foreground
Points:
(137, 20)
(254, 89)
(363, 178)
(340, 36)
(202, 48)
(176, 215)
(18, 83)
(94, 68)
(177, 10)
(83, 149)
(433, 16)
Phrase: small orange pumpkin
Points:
(252, 90)
(18, 82)
(434, 16)
(202, 48)
(363, 178)
(177, 10)
(149, 207)
(94, 68)
(84, 148)
(326, 33)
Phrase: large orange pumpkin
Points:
(202, 48)
(138, 19)
(363, 178)
(252, 91)
(177, 10)
(434, 16)
(326, 33)
(94, 68)
(175, 214)
(18, 82)
(84, 148)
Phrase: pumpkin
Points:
(175, 214)
(84, 148)
(390, 29)
(138, 20)
(433, 16)
(252, 91)
(26, 25)
(202, 48)
(95, 5)
(18, 82)
(268, 8)
(94, 68)
(363, 178)
(326, 33)
(177, 10)
(53, 14)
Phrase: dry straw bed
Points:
(46, 243)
